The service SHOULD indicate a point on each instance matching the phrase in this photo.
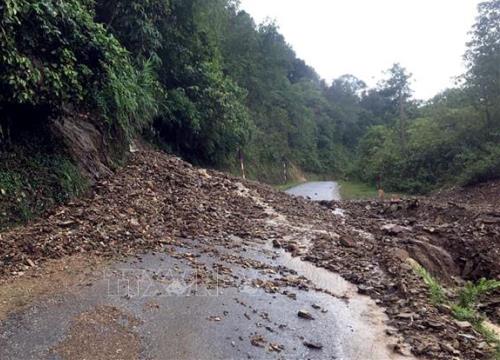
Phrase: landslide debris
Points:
(158, 201)
(453, 241)
(450, 239)
(371, 244)
(149, 203)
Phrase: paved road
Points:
(317, 190)
(197, 301)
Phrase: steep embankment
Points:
(158, 202)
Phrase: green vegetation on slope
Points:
(202, 80)
(466, 307)
(31, 181)
(453, 138)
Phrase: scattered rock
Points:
(276, 347)
(214, 318)
(30, 262)
(258, 341)
(435, 324)
(463, 325)
(364, 289)
(393, 229)
(403, 349)
(313, 345)
(305, 315)
(410, 316)
(347, 242)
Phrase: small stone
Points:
(214, 318)
(363, 289)
(313, 345)
(392, 229)
(305, 315)
(350, 243)
(30, 262)
(445, 309)
(402, 349)
(407, 316)
(435, 324)
(463, 324)
(276, 347)
(258, 341)
(447, 347)
(482, 345)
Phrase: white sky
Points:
(365, 37)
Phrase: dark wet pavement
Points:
(205, 302)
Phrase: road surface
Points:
(197, 301)
(317, 190)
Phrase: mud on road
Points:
(222, 232)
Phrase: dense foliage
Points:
(55, 57)
(454, 137)
(203, 80)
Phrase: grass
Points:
(436, 290)
(470, 293)
(465, 308)
(350, 190)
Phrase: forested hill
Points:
(80, 78)
(198, 75)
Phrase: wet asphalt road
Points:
(190, 304)
(317, 190)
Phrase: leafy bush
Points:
(54, 54)
(130, 97)
(34, 178)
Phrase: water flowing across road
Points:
(317, 190)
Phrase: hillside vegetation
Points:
(200, 79)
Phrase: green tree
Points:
(396, 88)
(483, 61)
